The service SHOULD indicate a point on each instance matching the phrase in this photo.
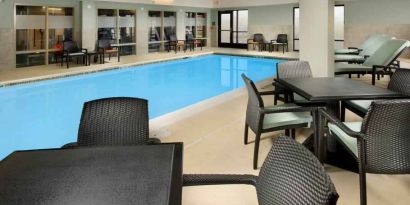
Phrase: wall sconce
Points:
(88, 6)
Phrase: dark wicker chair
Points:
(104, 46)
(257, 40)
(192, 42)
(114, 121)
(290, 69)
(380, 143)
(71, 50)
(399, 82)
(281, 40)
(290, 175)
(263, 119)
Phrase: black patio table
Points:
(148, 174)
(329, 92)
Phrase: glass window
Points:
(127, 31)
(107, 23)
(30, 28)
(170, 22)
(60, 26)
(30, 59)
(190, 23)
(201, 25)
(154, 31)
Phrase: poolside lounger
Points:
(353, 50)
(379, 62)
(365, 53)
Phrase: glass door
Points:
(225, 29)
(233, 28)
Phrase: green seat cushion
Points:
(350, 142)
(344, 67)
(361, 105)
(286, 118)
(349, 58)
(345, 51)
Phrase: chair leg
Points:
(275, 99)
(362, 179)
(343, 112)
(287, 132)
(246, 134)
(293, 133)
(256, 151)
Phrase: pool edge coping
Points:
(126, 66)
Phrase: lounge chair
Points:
(399, 82)
(71, 50)
(365, 52)
(257, 40)
(114, 121)
(281, 40)
(175, 44)
(263, 119)
(290, 175)
(192, 42)
(379, 63)
(356, 50)
(380, 143)
(104, 46)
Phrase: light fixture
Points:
(163, 1)
(88, 6)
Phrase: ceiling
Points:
(209, 3)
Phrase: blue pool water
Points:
(46, 114)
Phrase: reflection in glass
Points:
(154, 31)
(190, 23)
(127, 31)
(201, 25)
(169, 24)
(60, 28)
(107, 23)
(30, 28)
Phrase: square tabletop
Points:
(148, 174)
(334, 89)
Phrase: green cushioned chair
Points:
(262, 119)
(357, 50)
(399, 82)
(380, 144)
(379, 62)
(367, 51)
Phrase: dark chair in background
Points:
(281, 40)
(192, 42)
(381, 143)
(399, 82)
(290, 69)
(104, 46)
(114, 121)
(291, 174)
(71, 50)
(263, 119)
(175, 44)
(258, 40)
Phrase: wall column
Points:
(142, 31)
(317, 35)
(89, 25)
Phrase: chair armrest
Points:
(289, 108)
(218, 179)
(153, 141)
(270, 92)
(250, 39)
(70, 145)
(84, 50)
(273, 41)
(353, 48)
(333, 119)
